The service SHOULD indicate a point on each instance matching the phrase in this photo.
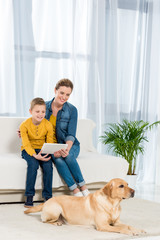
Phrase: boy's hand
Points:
(40, 157)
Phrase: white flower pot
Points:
(131, 180)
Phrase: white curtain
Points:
(133, 65)
(7, 66)
(109, 49)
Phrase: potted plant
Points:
(126, 140)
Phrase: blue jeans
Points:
(69, 169)
(32, 167)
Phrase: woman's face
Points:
(62, 94)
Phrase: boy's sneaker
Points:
(29, 202)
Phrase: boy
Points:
(34, 132)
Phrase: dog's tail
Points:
(35, 209)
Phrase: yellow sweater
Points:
(33, 136)
(53, 122)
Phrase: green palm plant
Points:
(126, 140)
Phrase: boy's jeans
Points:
(69, 169)
(33, 165)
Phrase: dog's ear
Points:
(107, 189)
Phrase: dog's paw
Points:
(127, 232)
(142, 231)
(137, 231)
(58, 223)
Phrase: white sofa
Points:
(96, 168)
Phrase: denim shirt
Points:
(66, 122)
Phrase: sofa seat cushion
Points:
(98, 167)
(13, 171)
(95, 167)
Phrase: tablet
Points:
(50, 148)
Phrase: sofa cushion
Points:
(13, 173)
(98, 167)
(94, 166)
(84, 135)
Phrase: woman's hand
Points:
(40, 157)
(61, 153)
(57, 154)
(64, 152)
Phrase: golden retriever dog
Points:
(100, 209)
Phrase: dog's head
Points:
(118, 189)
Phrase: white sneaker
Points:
(85, 192)
(78, 194)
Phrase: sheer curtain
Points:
(108, 48)
(7, 63)
(64, 47)
(131, 72)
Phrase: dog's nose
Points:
(132, 193)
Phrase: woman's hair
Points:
(37, 101)
(64, 83)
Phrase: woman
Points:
(63, 116)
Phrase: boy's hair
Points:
(64, 82)
(37, 101)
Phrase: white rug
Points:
(14, 224)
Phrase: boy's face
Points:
(38, 113)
